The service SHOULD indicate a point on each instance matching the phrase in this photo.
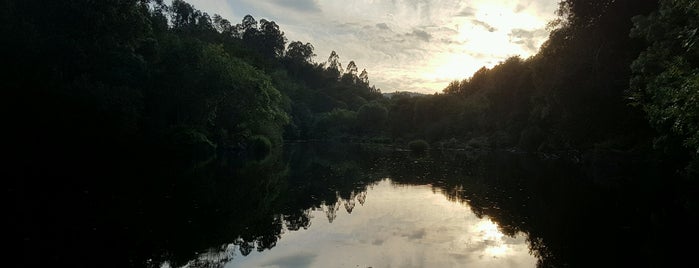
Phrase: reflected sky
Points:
(395, 226)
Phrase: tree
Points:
(452, 88)
(300, 52)
(335, 123)
(224, 26)
(264, 37)
(271, 40)
(334, 64)
(183, 14)
(350, 77)
(372, 117)
(352, 68)
(665, 80)
(249, 23)
(364, 78)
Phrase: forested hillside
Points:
(143, 72)
(613, 76)
(608, 69)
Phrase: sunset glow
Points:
(406, 45)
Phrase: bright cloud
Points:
(411, 45)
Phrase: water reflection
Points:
(467, 209)
(398, 226)
(316, 203)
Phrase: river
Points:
(339, 205)
(352, 205)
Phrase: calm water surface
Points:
(330, 205)
(344, 205)
(393, 225)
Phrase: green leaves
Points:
(666, 75)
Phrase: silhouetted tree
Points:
(364, 78)
(271, 41)
(299, 52)
(334, 64)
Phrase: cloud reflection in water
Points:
(396, 226)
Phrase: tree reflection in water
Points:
(210, 212)
(570, 216)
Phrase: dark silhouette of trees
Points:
(334, 64)
(300, 52)
(665, 80)
(155, 68)
(364, 77)
(569, 96)
(248, 26)
(352, 69)
(372, 118)
(271, 40)
(109, 88)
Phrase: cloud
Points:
(348, 25)
(466, 12)
(417, 234)
(528, 38)
(520, 8)
(420, 34)
(298, 5)
(485, 25)
(448, 41)
(414, 45)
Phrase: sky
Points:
(405, 45)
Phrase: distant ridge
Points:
(411, 94)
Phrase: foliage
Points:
(371, 118)
(300, 52)
(570, 95)
(419, 146)
(666, 75)
(260, 145)
(336, 123)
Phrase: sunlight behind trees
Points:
(409, 45)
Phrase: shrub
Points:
(418, 146)
(259, 145)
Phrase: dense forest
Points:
(144, 72)
(613, 76)
(608, 79)
(105, 85)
